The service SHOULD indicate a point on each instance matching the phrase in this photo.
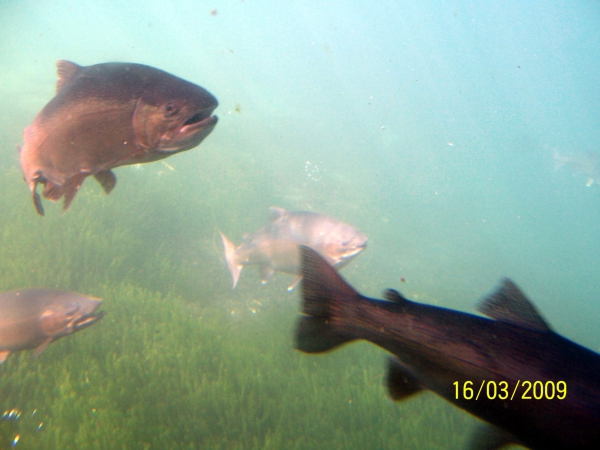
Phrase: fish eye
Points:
(171, 109)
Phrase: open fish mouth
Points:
(352, 252)
(200, 120)
(85, 321)
(190, 134)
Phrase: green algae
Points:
(180, 361)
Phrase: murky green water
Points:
(429, 127)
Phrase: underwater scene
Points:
(445, 145)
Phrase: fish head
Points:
(172, 116)
(68, 313)
(343, 243)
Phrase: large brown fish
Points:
(535, 387)
(33, 318)
(109, 115)
(275, 246)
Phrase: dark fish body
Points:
(435, 347)
(33, 318)
(108, 115)
(275, 246)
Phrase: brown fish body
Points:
(33, 318)
(108, 115)
(274, 247)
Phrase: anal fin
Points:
(107, 180)
(400, 382)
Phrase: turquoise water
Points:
(430, 126)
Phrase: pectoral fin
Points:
(71, 187)
(266, 272)
(52, 192)
(40, 349)
(37, 200)
(295, 282)
(4, 355)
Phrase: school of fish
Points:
(112, 114)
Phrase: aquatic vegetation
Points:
(154, 376)
(180, 361)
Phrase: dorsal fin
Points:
(276, 213)
(66, 70)
(391, 295)
(509, 304)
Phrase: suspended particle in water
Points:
(314, 172)
(16, 440)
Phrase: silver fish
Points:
(275, 246)
(33, 318)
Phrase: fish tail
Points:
(234, 268)
(324, 294)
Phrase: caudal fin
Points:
(323, 294)
(234, 268)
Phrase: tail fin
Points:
(230, 258)
(323, 293)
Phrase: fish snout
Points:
(86, 320)
(190, 134)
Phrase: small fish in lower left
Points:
(33, 318)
